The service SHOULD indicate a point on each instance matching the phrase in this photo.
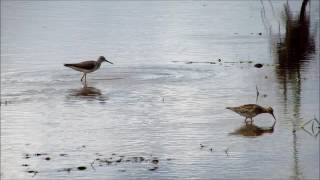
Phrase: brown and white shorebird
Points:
(251, 110)
(88, 66)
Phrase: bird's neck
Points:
(99, 61)
(98, 64)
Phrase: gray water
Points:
(161, 99)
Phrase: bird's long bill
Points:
(109, 62)
(273, 116)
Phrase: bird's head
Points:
(270, 111)
(102, 59)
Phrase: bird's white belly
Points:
(83, 70)
(248, 115)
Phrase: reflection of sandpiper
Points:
(252, 130)
(87, 66)
(251, 110)
(87, 91)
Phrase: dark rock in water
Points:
(260, 34)
(155, 161)
(258, 65)
(81, 168)
(219, 60)
(47, 158)
(25, 165)
(40, 154)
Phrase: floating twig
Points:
(257, 93)
(92, 163)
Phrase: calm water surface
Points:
(153, 102)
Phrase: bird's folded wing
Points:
(84, 65)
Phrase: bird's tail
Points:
(67, 65)
(229, 108)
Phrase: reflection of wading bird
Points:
(87, 66)
(251, 110)
(252, 130)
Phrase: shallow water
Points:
(160, 99)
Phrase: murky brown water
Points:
(161, 99)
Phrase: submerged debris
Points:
(34, 172)
(27, 156)
(65, 169)
(258, 65)
(155, 161)
(81, 168)
(201, 146)
(100, 160)
(153, 168)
